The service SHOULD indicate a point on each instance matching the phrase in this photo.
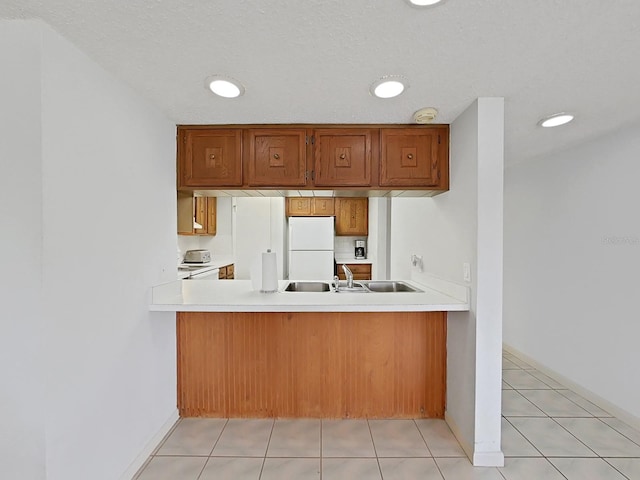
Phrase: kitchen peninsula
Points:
(242, 353)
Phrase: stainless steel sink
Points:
(389, 286)
(308, 287)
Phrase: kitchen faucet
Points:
(349, 276)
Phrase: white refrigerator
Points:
(311, 248)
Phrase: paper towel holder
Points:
(269, 272)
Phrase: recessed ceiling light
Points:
(424, 3)
(224, 86)
(555, 120)
(388, 87)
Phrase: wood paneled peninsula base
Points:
(312, 364)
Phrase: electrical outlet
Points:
(466, 272)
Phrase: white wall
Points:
(22, 441)
(105, 183)
(378, 245)
(464, 225)
(572, 250)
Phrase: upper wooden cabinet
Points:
(352, 216)
(321, 206)
(310, 207)
(196, 210)
(277, 158)
(307, 157)
(298, 207)
(414, 157)
(342, 157)
(210, 157)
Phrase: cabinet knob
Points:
(276, 156)
(410, 156)
(213, 157)
(342, 156)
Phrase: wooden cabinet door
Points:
(412, 157)
(200, 215)
(323, 207)
(211, 158)
(352, 216)
(361, 271)
(212, 215)
(298, 206)
(277, 158)
(342, 157)
(185, 213)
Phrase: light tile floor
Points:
(548, 432)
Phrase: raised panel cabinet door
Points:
(211, 158)
(200, 215)
(212, 215)
(185, 213)
(277, 158)
(411, 157)
(352, 216)
(323, 206)
(298, 206)
(342, 157)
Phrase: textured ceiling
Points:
(313, 61)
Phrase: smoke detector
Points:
(425, 115)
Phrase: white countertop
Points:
(217, 262)
(343, 259)
(238, 296)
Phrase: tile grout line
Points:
(526, 439)
(614, 467)
(264, 459)
(219, 437)
(212, 449)
(375, 450)
(321, 422)
(614, 428)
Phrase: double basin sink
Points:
(368, 286)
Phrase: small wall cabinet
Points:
(210, 158)
(277, 158)
(310, 207)
(413, 158)
(352, 216)
(202, 210)
(342, 157)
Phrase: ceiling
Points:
(313, 61)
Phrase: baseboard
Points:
(484, 459)
(597, 400)
(488, 459)
(150, 447)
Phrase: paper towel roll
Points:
(269, 272)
